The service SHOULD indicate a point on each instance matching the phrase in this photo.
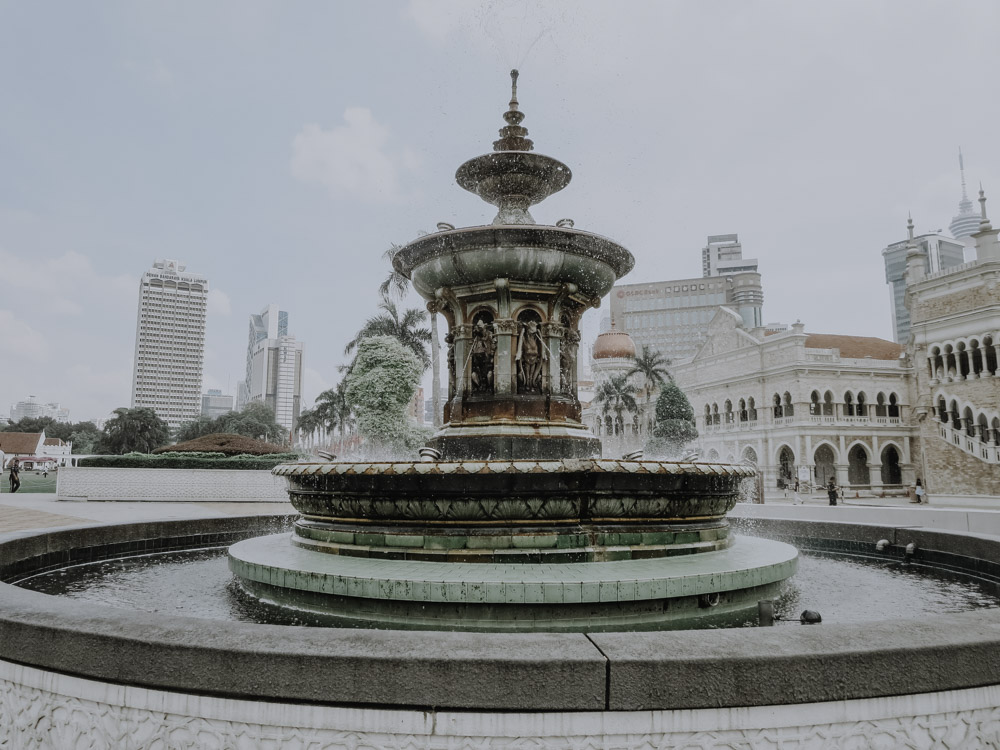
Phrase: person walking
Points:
(831, 491)
(15, 476)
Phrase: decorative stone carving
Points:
(567, 362)
(56, 711)
(531, 354)
(482, 354)
(449, 339)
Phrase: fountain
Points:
(78, 674)
(516, 523)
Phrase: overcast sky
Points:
(279, 148)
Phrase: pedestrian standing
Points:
(831, 492)
(919, 491)
(15, 476)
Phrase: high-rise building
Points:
(170, 342)
(966, 222)
(274, 367)
(214, 404)
(672, 317)
(723, 256)
(940, 253)
(31, 407)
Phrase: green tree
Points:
(255, 420)
(404, 329)
(616, 396)
(133, 431)
(196, 428)
(674, 427)
(397, 285)
(379, 389)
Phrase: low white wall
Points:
(41, 710)
(92, 483)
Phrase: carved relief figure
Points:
(482, 353)
(567, 362)
(529, 358)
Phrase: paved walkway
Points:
(41, 511)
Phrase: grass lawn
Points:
(30, 482)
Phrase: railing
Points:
(949, 271)
(888, 420)
(987, 452)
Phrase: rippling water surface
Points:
(841, 588)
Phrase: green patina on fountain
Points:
(512, 521)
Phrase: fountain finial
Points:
(513, 137)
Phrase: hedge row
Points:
(188, 461)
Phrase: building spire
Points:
(984, 222)
(961, 169)
(909, 227)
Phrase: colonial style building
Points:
(800, 404)
(955, 347)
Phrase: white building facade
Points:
(800, 405)
(170, 342)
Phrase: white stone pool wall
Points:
(227, 485)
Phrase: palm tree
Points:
(397, 285)
(403, 329)
(653, 367)
(617, 395)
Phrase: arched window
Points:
(891, 472)
(857, 466)
(969, 422)
(786, 466)
(825, 468)
(708, 415)
(848, 404)
(752, 409)
(942, 410)
(715, 414)
(862, 407)
(828, 404)
(609, 426)
(787, 404)
(619, 426)
(814, 406)
(990, 352)
(956, 418)
(893, 405)
(963, 359)
(996, 430)
(976, 357)
(729, 411)
(743, 410)
(778, 413)
(880, 410)
(983, 427)
(749, 456)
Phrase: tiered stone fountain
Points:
(513, 521)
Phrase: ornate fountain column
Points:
(513, 293)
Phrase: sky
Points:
(280, 148)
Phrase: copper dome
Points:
(614, 345)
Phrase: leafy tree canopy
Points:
(674, 427)
(379, 388)
(54, 429)
(255, 420)
(133, 430)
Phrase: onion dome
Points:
(614, 345)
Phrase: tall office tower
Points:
(940, 253)
(170, 342)
(723, 256)
(274, 367)
(672, 317)
(966, 222)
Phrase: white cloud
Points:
(19, 341)
(67, 284)
(352, 159)
(218, 302)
